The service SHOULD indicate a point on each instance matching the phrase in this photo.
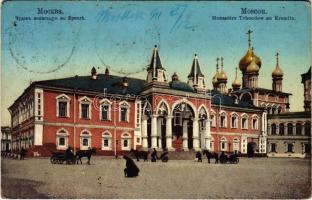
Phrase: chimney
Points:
(125, 81)
(93, 73)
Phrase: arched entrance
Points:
(251, 148)
(183, 119)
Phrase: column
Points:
(159, 132)
(144, 132)
(294, 129)
(207, 134)
(169, 133)
(184, 137)
(285, 129)
(154, 131)
(277, 129)
(195, 134)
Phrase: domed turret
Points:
(214, 78)
(93, 73)
(246, 60)
(236, 83)
(175, 77)
(277, 72)
(221, 75)
(277, 76)
(252, 67)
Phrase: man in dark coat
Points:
(154, 156)
(22, 153)
(131, 169)
(69, 154)
(198, 156)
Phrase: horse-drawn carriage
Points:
(60, 158)
(233, 159)
(69, 158)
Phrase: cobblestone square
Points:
(104, 178)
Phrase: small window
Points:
(290, 148)
(62, 109)
(273, 129)
(244, 123)
(85, 142)
(125, 143)
(123, 114)
(212, 121)
(105, 143)
(178, 119)
(254, 123)
(307, 148)
(298, 129)
(61, 141)
(273, 147)
(85, 111)
(234, 121)
(222, 121)
(105, 112)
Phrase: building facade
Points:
(289, 134)
(114, 113)
(5, 138)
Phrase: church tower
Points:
(277, 77)
(196, 77)
(155, 71)
(250, 76)
(222, 79)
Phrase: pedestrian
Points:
(154, 155)
(131, 169)
(22, 153)
(198, 156)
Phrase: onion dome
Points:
(236, 83)
(106, 71)
(246, 60)
(175, 77)
(214, 78)
(277, 71)
(252, 67)
(221, 75)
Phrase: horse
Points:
(211, 155)
(140, 154)
(84, 153)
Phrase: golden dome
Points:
(252, 67)
(246, 60)
(236, 83)
(214, 79)
(221, 75)
(277, 71)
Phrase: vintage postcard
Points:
(161, 99)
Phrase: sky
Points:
(121, 36)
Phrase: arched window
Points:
(124, 110)
(298, 129)
(281, 129)
(234, 119)
(62, 139)
(62, 105)
(307, 128)
(223, 119)
(85, 140)
(279, 109)
(85, 108)
(255, 122)
(244, 122)
(105, 109)
(125, 141)
(273, 129)
(106, 141)
(289, 128)
(223, 144)
(213, 119)
(236, 145)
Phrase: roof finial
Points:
(277, 54)
(217, 64)
(221, 62)
(235, 72)
(249, 37)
